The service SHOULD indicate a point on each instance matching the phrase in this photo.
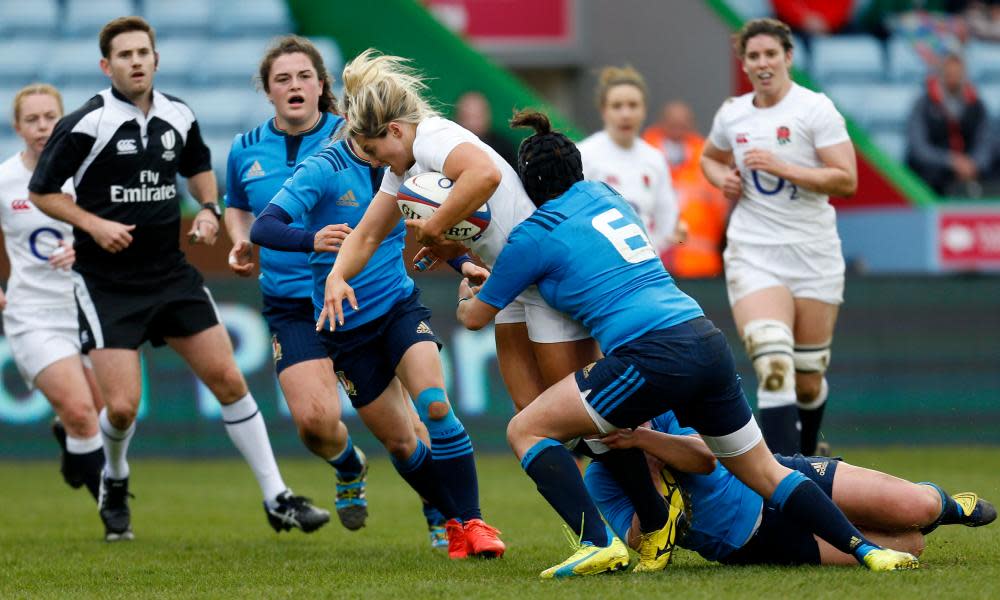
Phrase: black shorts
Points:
(292, 323)
(365, 358)
(779, 540)
(124, 314)
(687, 368)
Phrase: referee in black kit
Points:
(124, 148)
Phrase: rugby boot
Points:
(483, 540)
(886, 559)
(588, 559)
(112, 505)
(351, 504)
(295, 511)
(656, 548)
(976, 512)
(458, 546)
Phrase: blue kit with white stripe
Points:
(336, 186)
(728, 521)
(590, 257)
(260, 161)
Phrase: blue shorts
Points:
(779, 540)
(292, 323)
(365, 358)
(687, 368)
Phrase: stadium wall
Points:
(914, 363)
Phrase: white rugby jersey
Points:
(772, 210)
(30, 236)
(641, 176)
(509, 205)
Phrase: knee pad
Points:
(812, 359)
(770, 343)
(439, 423)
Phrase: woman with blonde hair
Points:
(39, 309)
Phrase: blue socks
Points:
(779, 421)
(451, 450)
(799, 498)
(347, 463)
(558, 480)
(418, 471)
(951, 512)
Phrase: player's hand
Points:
(337, 290)
(204, 229)
(3, 300)
(111, 235)
(63, 257)
(763, 160)
(241, 258)
(732, 186)
(466, 289)
(475, 274)
(425, 235)
(425, 259)
(331, 238)
(621, 439)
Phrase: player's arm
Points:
(109, 235)
(238, 223)
(837, 177)
(520, 264)
(472, 312)
(379, 220)
(687, 453)
(717, 165)
(475, 177)
(205, 189)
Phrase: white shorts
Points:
(50, 336)
(546, 325)
(813, 270)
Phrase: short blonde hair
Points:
(615, 76)
(379, 89)
(31, 90)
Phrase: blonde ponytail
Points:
(379, 89)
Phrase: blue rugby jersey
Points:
(259, 163)
(591, 259)
(336, 186)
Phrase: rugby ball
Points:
(422, 194)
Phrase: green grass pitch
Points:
(200, 532)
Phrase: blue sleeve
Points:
(302, 191)
(235, 194)
(272, 230)
(521, 263)
(668, 423)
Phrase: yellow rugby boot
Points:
(588, 559)
(886, 559)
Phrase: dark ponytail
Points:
(548, 162)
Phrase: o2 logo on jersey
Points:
(629, 240)
(43, 241)
(778, 186)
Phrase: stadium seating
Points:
(251, 17)
(75, 61)
(180, 17)
(84, 18)
(854, 58)
(41, 21)
(983, 61)
(892, 143)
(905, 63)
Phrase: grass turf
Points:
(200, 532)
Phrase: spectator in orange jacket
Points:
(703, 209)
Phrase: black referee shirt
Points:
(124, 166)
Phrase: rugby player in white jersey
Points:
(620, 158)
(781, 151)
(39, 311)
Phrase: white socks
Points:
(115, 446)
(246, 429)
(83, 445)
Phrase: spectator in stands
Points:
(703, 208)
(983, 19)
(948, 136)
(473, 112)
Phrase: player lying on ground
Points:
(586, 250)
(732, 524)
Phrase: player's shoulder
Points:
(331, 159)
(649, 152)
(250, 139)
(9, 166)
(86, 117)
(592, 141)
(173, 103)
(807, 100)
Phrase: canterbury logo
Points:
(424, 328)
(20, 205)
(127, 146)
(820, 467)
(255, 170)
(347, 199)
